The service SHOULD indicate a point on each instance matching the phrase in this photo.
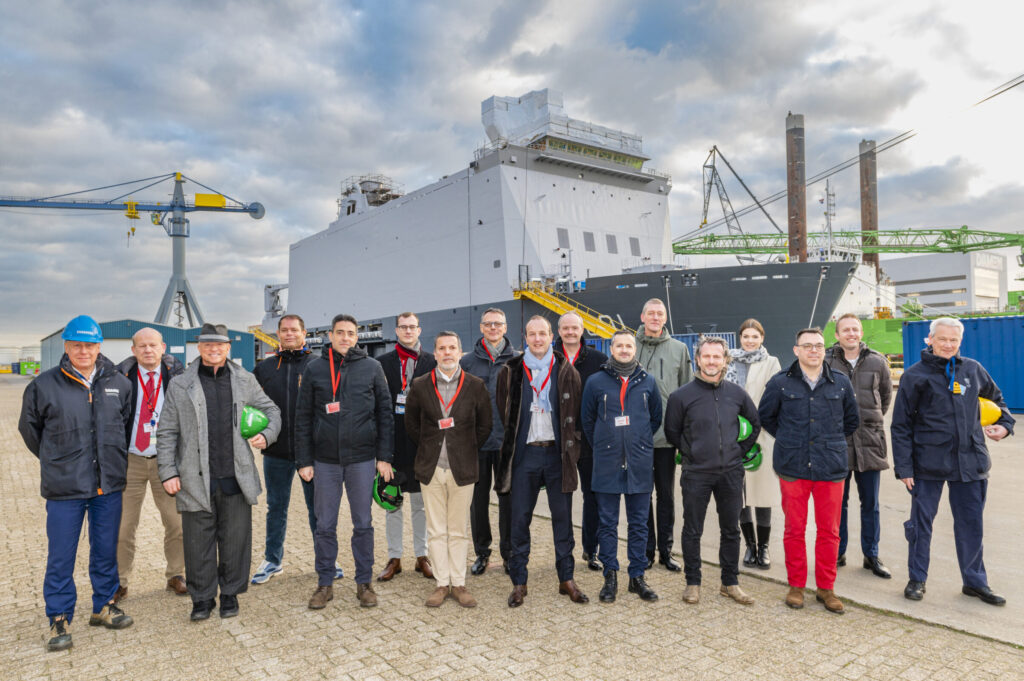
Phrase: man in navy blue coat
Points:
(621, 410)
(937, 439)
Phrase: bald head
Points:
(148, 347)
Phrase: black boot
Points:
(611, 586)
(764, 557)
(638, 586)
(750, 555)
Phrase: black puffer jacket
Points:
(280, 376)
(77, 432)
(361, 429)
(701, 422)
(872, 385)
(479, 363)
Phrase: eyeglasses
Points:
(407, 327)
(492, 325)
(807, 347)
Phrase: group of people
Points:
(448, 424)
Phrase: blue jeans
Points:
(357, 481)
(967, 502)
(637, 508)
(870, 526)
(278, 475)
(63, 528)
(533, 467)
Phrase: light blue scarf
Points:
(539, 369)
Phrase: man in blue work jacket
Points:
(937, 439)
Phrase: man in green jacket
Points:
(668, 361)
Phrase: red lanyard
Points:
(151, 401)
(577, 355)
(622, 394)
(335, 380)
(446, 407)
(403, 360)
(529, 375)
(483, 341)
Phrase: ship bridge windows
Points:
(563, 237)
(634, 246)
(690, 279)
(613, 247)
(588, 242)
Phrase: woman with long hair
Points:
(751, 367)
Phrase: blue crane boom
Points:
(170, 216)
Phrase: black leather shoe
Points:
(650, 561)
(877, 567)
(984, 593)
(228, 606)
(592, 562)
(841, 560)
(764, 557)
(638, 586)
(610, 588)
(479, 565)
(915, 590)
(201, 610)
(670, 564)
(750, 555)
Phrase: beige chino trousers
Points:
(447, 507)
(142, 471)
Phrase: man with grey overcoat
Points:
(205, 463)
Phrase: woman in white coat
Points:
(751, 367)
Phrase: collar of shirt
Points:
(445, 377)
(813, 384)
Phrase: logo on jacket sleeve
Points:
(112, 391)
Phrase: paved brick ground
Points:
(277, 637)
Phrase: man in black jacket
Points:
(150, 370)
(73, 419)
(587, 361)
(407, 361)
(484, 361)
(279, 375)
(702, 422)
(344, 435)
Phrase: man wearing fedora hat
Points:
(204, 461)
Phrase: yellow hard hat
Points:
(990, 412)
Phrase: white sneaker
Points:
(265, 571)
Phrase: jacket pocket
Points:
(834, 459)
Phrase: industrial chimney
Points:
(796, 188)
(869, 202)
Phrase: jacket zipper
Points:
(718, 419)
(288, 405)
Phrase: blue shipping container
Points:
(993, 341)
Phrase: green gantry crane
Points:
(962, 240)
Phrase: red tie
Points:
(146, 413)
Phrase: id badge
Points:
(445, 424)
(400, 398)
(621, 421)
(535, 408)
(399, 408)
(332, 407)
(957, 390)
(148, 428)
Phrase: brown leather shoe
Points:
(691, 594)
(365, 594)
(120, 593)
(435, 599)
(795, 598)
(572, 591)
(320, 597)
(463, 597)
(831, 601)
(737, 594)
(423, 565)
(177, 585)
(515, 599)
(393, 567)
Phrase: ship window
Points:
(588, 242)
(634, 246)
(563, 237)
(612, 246)
(497, 264)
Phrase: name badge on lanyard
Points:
(400, 398)
(151, 426)
(957, 390)
(621, 421)
(399, 408)
(535, 408)
(445, 424)
(332, 407)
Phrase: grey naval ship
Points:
(552, 212)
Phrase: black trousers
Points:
(660, 525)
(727, 489)
(218, 547)
(480, 509)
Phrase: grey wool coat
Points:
(182, 438)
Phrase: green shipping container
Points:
(29, 368)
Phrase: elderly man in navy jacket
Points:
(937, 439)
(810, 410)
(621, 411)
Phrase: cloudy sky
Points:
(277, 102)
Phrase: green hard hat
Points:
(388, 495)
(752, 459)
(253, 422)
(745, 429)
